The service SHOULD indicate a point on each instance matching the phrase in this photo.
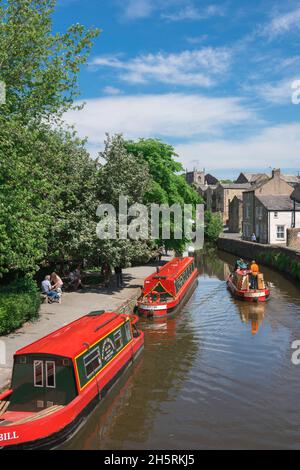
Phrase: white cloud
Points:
(275, 93)
(188, 68)
(276, 146)
(176, 116)
(190, 12)
(138, 9)
(111, 90)
(283, 23)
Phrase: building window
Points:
(275, 215)
(38, 373)
(92, 362)
(280, 232)
(50, 374)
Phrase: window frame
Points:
(35, 362)
(54, 373)
(283, 232)
(92, 374)
(118, 332)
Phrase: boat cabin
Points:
(169, 281)
(55, 369)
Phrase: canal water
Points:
(219, 375)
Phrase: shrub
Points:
(19, 302)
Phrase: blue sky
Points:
(212, 78)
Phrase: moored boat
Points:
(58, 380)
(238, 283)
(169, 289)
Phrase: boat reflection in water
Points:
(252, 314)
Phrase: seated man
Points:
(47, 289)
(254, 272)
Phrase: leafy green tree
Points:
(168, 185)
(44, 174)
(122, 174)
(213, 226)
(39, 67)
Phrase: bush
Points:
(19, 302)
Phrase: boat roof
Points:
(172, 269)
(76, 337)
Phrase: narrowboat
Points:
(58, 380)
(238, 283)
(167, 290)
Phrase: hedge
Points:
(19, 302)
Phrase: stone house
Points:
(210, 198)
(224, 194)
(275, 216)
(236, 215)
(252, 178)
(276, 185)
(200, 180)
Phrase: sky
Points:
(219, 80)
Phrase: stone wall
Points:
(283, 259)
(293, 238)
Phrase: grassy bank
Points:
(282, 262)
(19, 302)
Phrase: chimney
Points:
(276, 173)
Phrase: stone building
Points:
(196, 178)
(224, 193)
(276, 185)
(235, 224)
(252, 178)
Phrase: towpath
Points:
(73, 306)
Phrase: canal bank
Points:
(73, 306)
(281, 258)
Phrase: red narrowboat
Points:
(169, 289)
(58, 380)
(238, 284)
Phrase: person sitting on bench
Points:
(47, 290)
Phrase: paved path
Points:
(73, 306)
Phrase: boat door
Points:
(44, 381)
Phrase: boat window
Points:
(50, 374)
(92, 362)
(128, 331)
(118, 340)
(38, 373)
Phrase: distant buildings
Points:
(256, 203)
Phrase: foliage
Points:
(45, 174)
(167, 185)
(122, 174)
(39, 67)
(19, 302)
(213, 226)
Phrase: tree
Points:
(213, 226)
(122, 174)
(38, 67)
(37, 163)
(167, 186)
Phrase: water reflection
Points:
(252, 314)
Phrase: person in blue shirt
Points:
(47, 289)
